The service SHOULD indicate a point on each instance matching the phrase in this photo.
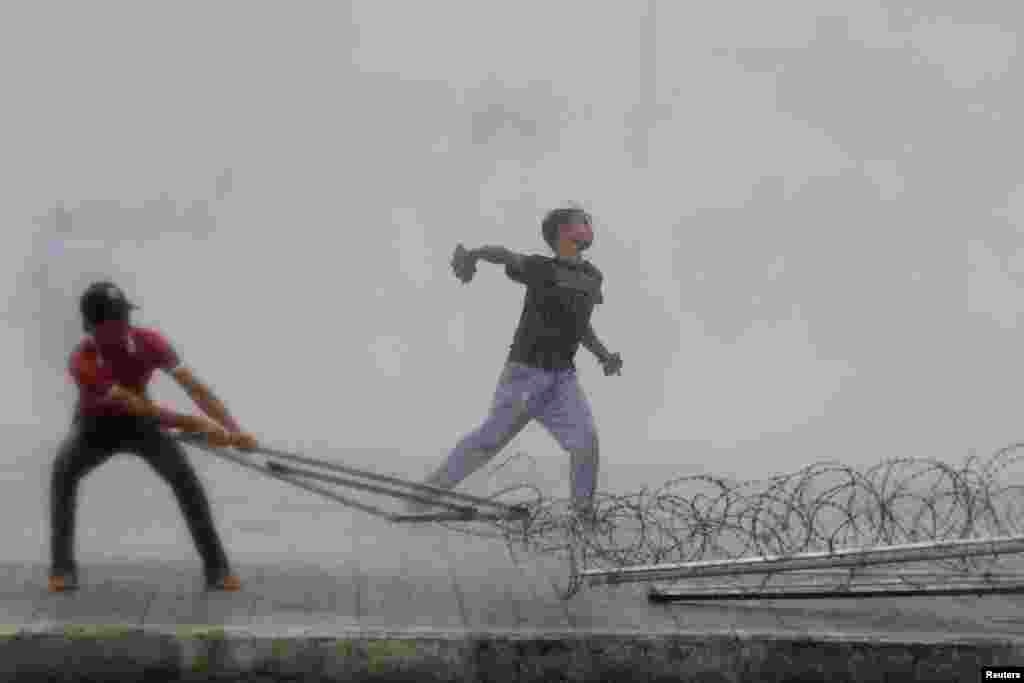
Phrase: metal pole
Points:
(238, 460)
(817, 593)
(289, 474)
(852, 557)
(339, 481)
(435, 492)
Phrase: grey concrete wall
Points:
(127, 655)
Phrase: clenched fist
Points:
(612, 365)
(215, 434)
(244, 442)
(463, 264)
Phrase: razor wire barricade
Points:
(826, 530)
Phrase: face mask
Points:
(578, 232)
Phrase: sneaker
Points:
(61, 582)
(223, 582)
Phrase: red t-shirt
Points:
(130, 364)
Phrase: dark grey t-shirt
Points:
(560, 298)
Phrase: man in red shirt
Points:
(112, 367)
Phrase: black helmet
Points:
(103, 301)
(558, 217)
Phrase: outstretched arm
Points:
(202, 395)
(138, 404)
(213, 407)
(464, 260)
(498, 256)
(83, 369)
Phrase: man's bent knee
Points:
(580, 440)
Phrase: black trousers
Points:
(93, 441)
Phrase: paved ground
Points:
(317, 573)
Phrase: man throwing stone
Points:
(539, 379)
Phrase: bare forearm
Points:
(213, 407)
(140, 405)
(136, 404)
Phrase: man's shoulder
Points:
(156, 346)
(151, 335)
(85, 346)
